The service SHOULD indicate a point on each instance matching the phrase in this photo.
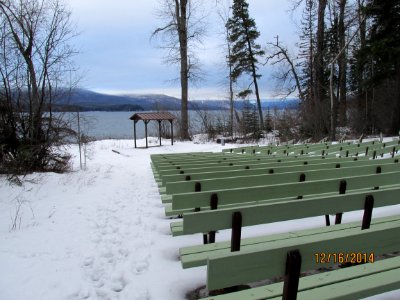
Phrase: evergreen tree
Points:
(245, 51)
(268, 121)
(306, 54)
(250, 121)
(381, 58)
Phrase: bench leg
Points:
(327, 220)
(236, 231)
(368, 207)
(211, 237)
(338, 219)
(292, 275)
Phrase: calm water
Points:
(116, 125)
(104, 125)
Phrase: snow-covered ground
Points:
(101, 233)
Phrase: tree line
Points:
(35, 69)
(345, 70)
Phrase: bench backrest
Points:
(261, 169)
(256, 180)
(257, 164)
(264, 193)
(283, 210)
(269, 260)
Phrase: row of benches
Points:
(292, 190)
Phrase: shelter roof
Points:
(152, 116)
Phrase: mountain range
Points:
(86, 100)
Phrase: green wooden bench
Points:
(252, 205)
(229, 160)
(290, 257)
(256, 164)
(182, 203)
(276, 178)
(278, 211)
(325, 148)
(262, 169)
(245, 149)
(339, 149)
(216, 180)
(214, 157)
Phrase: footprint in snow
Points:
(88, 261)
(118, 283)
(140, 267)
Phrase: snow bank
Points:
(101, 233)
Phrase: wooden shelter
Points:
(153, 116)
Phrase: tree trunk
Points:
(319, 59)
(319, 113)
(231, 99)
(181, 16)
(230, 82)
(396, 114)
(342, 62)
(361, 94)
(260, 113)
(254, 75)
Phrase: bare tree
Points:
(180, 34)
(288, 77)
(224, 12)
(35, 69)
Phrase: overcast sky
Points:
(116, 54)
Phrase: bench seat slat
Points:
(267, 261)
(316, 160)
(166, 198)
(332, 283)
(259, 170)
(275, 211)
(289, 177)
(196, 256)
(259, 193)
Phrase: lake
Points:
(117, 125)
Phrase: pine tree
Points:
(381, 57)
(306, 54)
(245, 51)
(250, 120)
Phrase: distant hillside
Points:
(85, 100)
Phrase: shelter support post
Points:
(145, 132)
(172, 132)
(159, 130)
(134, 132)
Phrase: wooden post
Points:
(214, 205)
(145, 132)
(302, 177)
(292, 275)
(159, 130)
(134, 131)
(327, 221)
(342, 190)
(368, 206)
(172, 132)
(236, 231)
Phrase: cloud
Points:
(116, 52)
